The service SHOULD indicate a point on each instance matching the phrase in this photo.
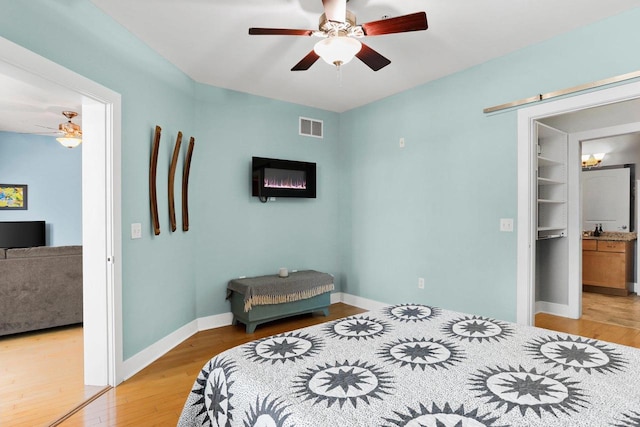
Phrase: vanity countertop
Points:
(620, 236)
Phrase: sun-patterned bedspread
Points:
(416, 365)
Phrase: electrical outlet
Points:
(401, 143)
(420, 282)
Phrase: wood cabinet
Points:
(607, 266)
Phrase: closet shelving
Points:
(551, 183)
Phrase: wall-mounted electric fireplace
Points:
(282, 178)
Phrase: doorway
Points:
(625, 100)
(101, 206)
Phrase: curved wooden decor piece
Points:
(185, 186)
(172, 175)
(152, 181)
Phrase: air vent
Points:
(310, 127)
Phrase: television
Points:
(282, 178)
(22, 234)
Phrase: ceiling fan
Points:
(70, 134)
(340, 36)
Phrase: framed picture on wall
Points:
(13, 197)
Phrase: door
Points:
(606, 199)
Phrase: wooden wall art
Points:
(185, 186)
(152, 181)
(172, 175)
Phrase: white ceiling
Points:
(32, 105)
(620, 149)
(209, 41)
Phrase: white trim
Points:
(525, 292)
(145, 357)
(102, 309)
(367, 304)
(526, 227)
(215, 321)
(574, 230)
(336, 297)
(562, 310)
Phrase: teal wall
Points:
(53, 175)
(158, 288)
(383, 216)
(170, 279)
(432, 209)
(236, 234)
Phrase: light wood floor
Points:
(605, 317)
(155, 396)
(41, 376)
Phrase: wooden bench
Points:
(240, 291)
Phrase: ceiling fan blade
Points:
(46, 127)
(371, 58)
(400, 24)
(306, 62)
(335, 10)
(278, 32)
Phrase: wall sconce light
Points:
(592, 160)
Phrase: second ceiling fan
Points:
(340, 36)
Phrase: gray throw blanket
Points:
(273, 289)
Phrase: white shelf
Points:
(548, 181)
(545, 161)
(551, 185)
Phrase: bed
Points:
(417, 365)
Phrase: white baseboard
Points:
(336, 297)
(553, 308)
(367, 304)
(144, 358)
(215, 321)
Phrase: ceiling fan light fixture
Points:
(69, 141)
(72, 133)
(337, 50)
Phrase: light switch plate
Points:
(506, 224)
(136, 230)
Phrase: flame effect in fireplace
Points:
(285, 179)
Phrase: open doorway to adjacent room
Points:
(606, 115)
(72, 363)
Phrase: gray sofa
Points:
(40, 287)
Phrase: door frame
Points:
(526, 200)
(101, 207)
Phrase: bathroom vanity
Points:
(607, 262)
